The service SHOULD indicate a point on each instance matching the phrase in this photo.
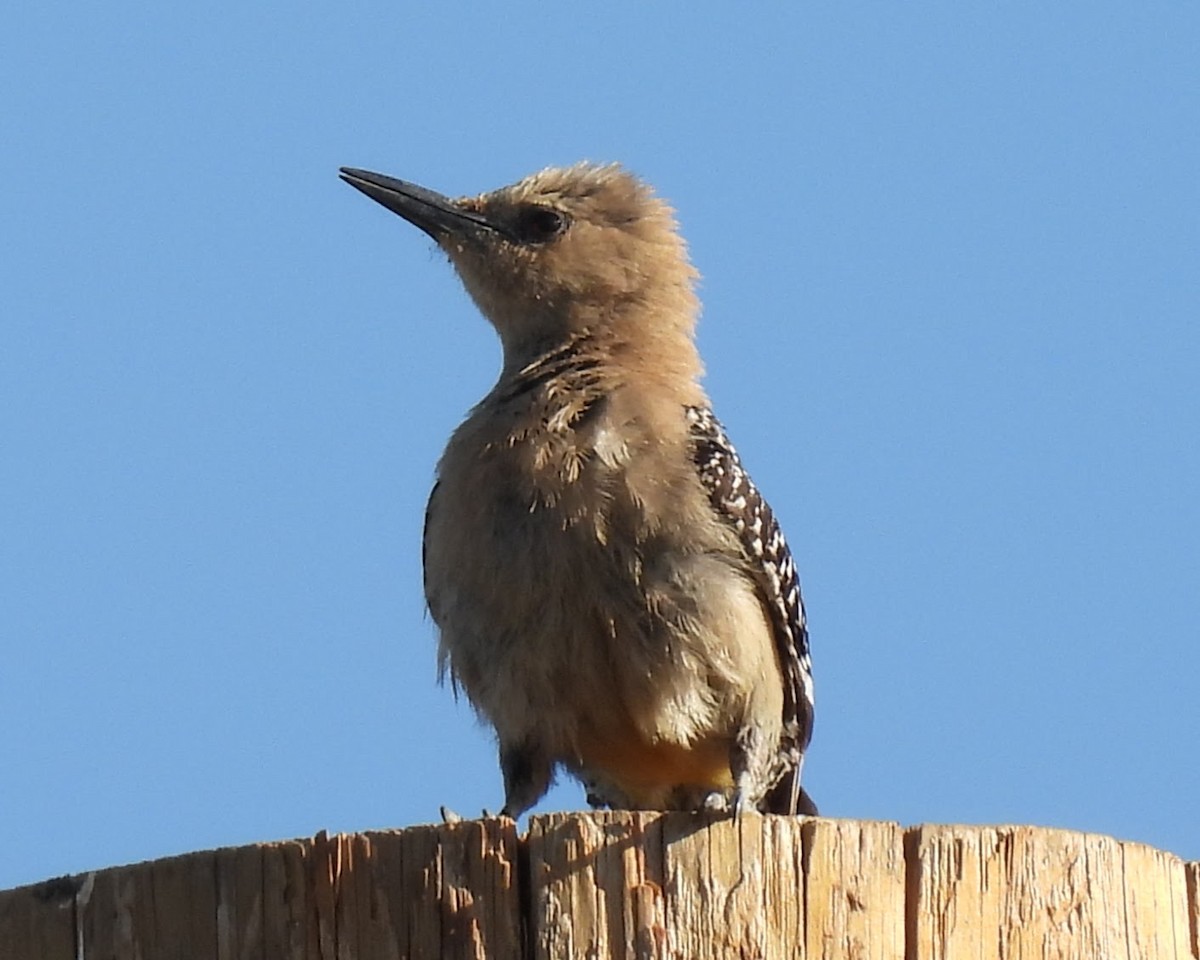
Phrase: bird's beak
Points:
(436, 214)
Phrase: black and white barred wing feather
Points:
(736, 499)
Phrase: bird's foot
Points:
(715, 801)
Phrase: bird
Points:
(611, 591)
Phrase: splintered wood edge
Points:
(631, 884)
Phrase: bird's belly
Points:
(629, 659)
(649, 774)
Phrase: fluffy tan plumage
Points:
(596, 572)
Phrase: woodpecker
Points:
(611, 591)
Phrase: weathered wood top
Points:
(628, 885)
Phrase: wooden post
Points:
(628, 885)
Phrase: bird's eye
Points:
(540, 224)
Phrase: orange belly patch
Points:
(647, 773)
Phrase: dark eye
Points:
(540, 224)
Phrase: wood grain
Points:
(629, 885)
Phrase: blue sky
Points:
(951, 286)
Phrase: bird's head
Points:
(583, 250)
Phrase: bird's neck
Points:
(566, 364)
(652, 353)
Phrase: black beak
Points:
(437, 215)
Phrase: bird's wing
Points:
(433, 601)
(429, 508)
(738, 502)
